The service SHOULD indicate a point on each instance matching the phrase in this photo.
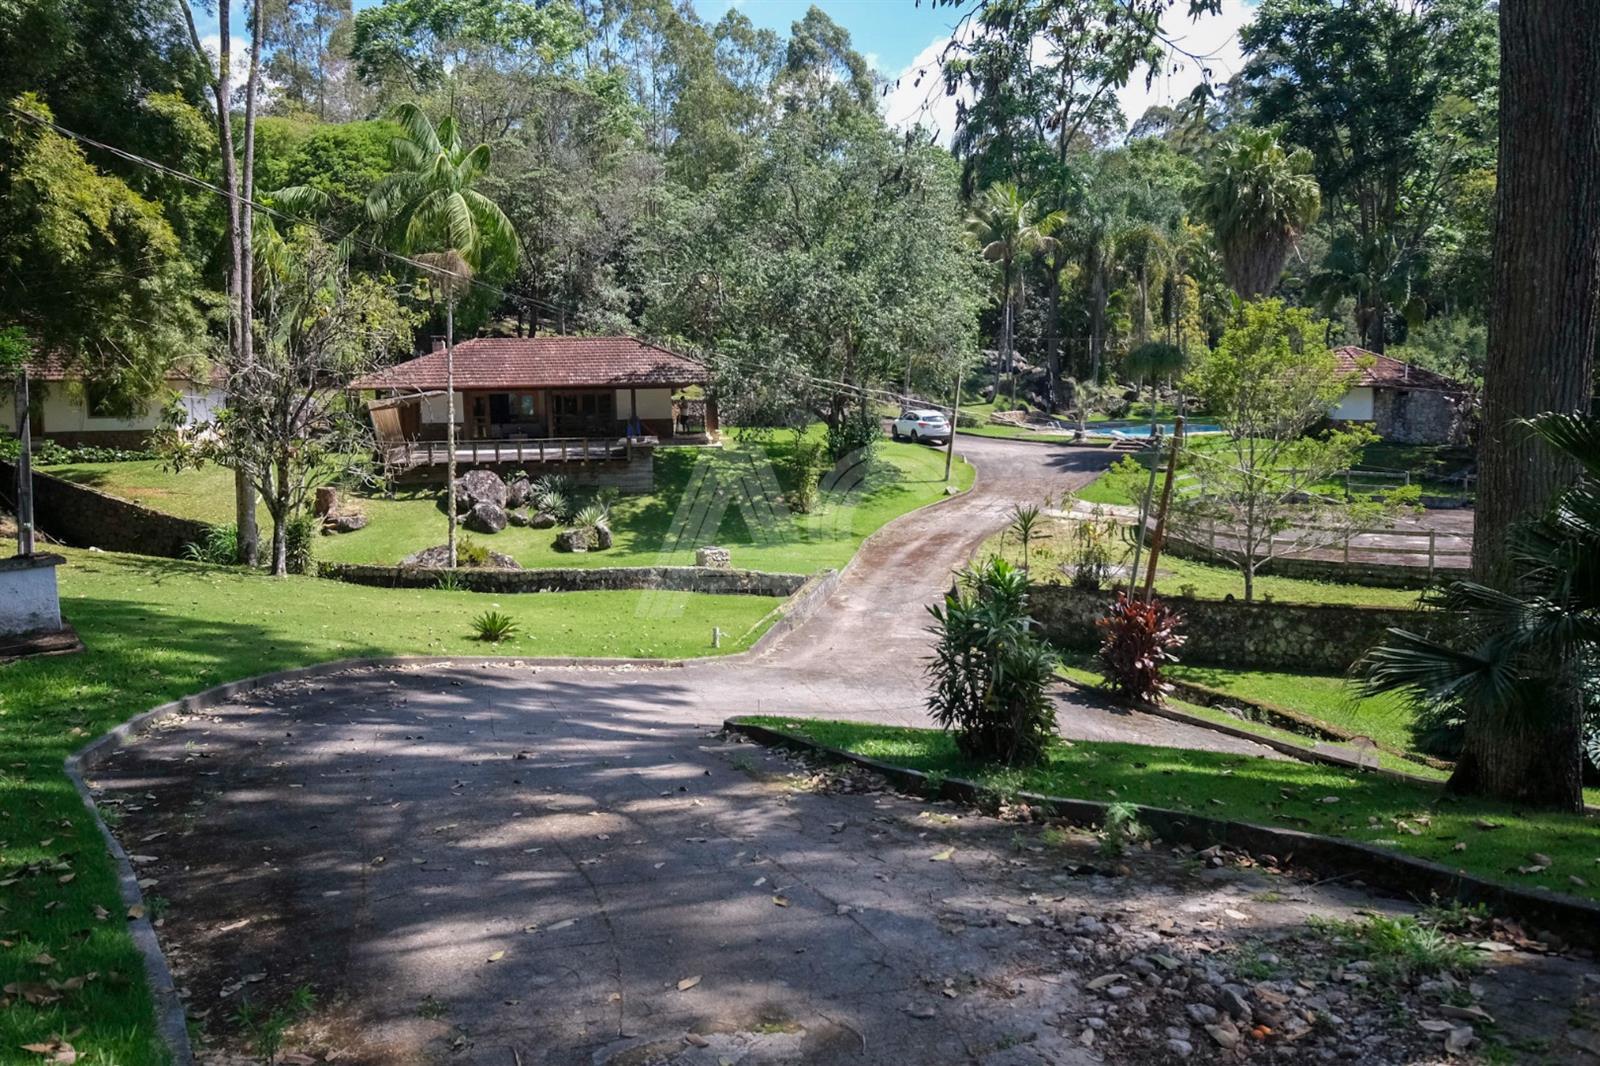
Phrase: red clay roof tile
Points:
(543, 363)
(1383, 371)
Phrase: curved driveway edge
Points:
(1578, 921)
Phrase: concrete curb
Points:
(1576, 921)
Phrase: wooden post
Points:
(24, 468)
(1432, 535)
(1161, 514)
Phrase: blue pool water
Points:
(1142, 429)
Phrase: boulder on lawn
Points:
(713, 558)
(518, 491)
(480, 486)
(544, 520)
(346, 522)
(519, 518)
(327, 501)
(602, 537)
(438, 557)
(486, 517)
(573, 540)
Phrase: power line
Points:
(377, 249)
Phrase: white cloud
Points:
(1214, 39)
(238, 55)
(918, 96)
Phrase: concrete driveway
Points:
(517, 866)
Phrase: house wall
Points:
(1355, 406)
(434, 409)
(1415, 416)
(65, 414)
(653, 403)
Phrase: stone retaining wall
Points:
(1269, 636)
(626, 578)
(636, 475)
(88, 518)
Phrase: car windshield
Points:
(931, 416)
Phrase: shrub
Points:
(470, 553)
(299, 538)
(50, 453)
(492, 626)
(220, 545)
(1139, 638)
(802, 468)
(450, 581)
(858, 430)
(594, 516)
(1091, 553)
(990, 671)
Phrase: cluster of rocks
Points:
(487, 503)
(338, 516)
(584, 539)
(713, 558)
(438, 558)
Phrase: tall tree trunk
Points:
(1097, 321)
(1052, 334)
(244, 492)
(1542, 330)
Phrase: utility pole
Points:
(1161, 514)
(450, 426)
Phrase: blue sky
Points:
(903, 39)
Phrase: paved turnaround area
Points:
(513, 865)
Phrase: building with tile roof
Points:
(1403, 403)
(544, 388)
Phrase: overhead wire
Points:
(398, 257)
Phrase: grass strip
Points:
(1418, 820)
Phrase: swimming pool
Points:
(1142, 429)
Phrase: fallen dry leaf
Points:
(497, 956)
(942, 856)
(688, 983)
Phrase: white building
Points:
(67, 411)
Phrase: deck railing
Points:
(542, 450)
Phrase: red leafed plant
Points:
(1138, 638)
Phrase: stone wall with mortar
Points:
(88, 518)
(1270, 636)
(636, 475)
(576, 579)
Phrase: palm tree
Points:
(1258, 199)
(1153, 361)
(1521, 667)
(1004, 224)
(428, 208)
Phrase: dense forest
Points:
(738, 193)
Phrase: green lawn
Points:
(1366, 807)
(1053, 548)
(157, 629)
(904, 477)
(1329, 699)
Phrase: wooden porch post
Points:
(712, 428)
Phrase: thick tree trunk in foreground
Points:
(1542, 327)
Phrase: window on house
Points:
(100, 401)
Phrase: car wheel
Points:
(894, 433)
(916, 438)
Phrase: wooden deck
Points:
(413, 454)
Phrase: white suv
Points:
(921, 426)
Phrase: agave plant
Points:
(553, 503)
(1520, 665)
(492, 626)
(594, 516)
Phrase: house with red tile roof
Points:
(1402, 403)
(73, 412)
(531, 389)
